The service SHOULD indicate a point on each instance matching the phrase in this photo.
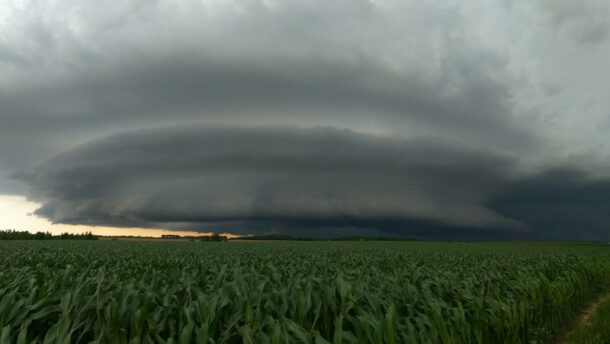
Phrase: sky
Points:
(444, 120)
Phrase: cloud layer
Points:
(294, 178)
(436, 118)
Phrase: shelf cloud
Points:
(310, 118)
(286, 177)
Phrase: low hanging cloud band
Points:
(287, 177)
(404, 118)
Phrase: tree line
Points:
(11, 234)
(342, 238)
(213, 237)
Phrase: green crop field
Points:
(293, 292)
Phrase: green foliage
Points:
(292, 292)
(25, 235)
(213, 237)
(596, 330)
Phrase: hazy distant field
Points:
(293, 292)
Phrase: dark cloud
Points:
(221, 115)
(206, 175)
(564, 203)
(475, 107)
(348, 64)
(313, 182)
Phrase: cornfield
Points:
(289, 292)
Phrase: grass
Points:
(293, 292)
(594, 328)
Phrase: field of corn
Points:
(293, 292)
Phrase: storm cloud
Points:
(291, 178)
(392, 117)
(202, 174)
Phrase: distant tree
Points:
(12, 234)
(213, 237)
(371, 238)
(343, 238)
(276, 237)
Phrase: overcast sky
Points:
(440, 120)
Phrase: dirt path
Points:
(580, 320)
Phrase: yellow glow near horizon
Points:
(16, 212)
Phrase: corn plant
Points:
(293, 292)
